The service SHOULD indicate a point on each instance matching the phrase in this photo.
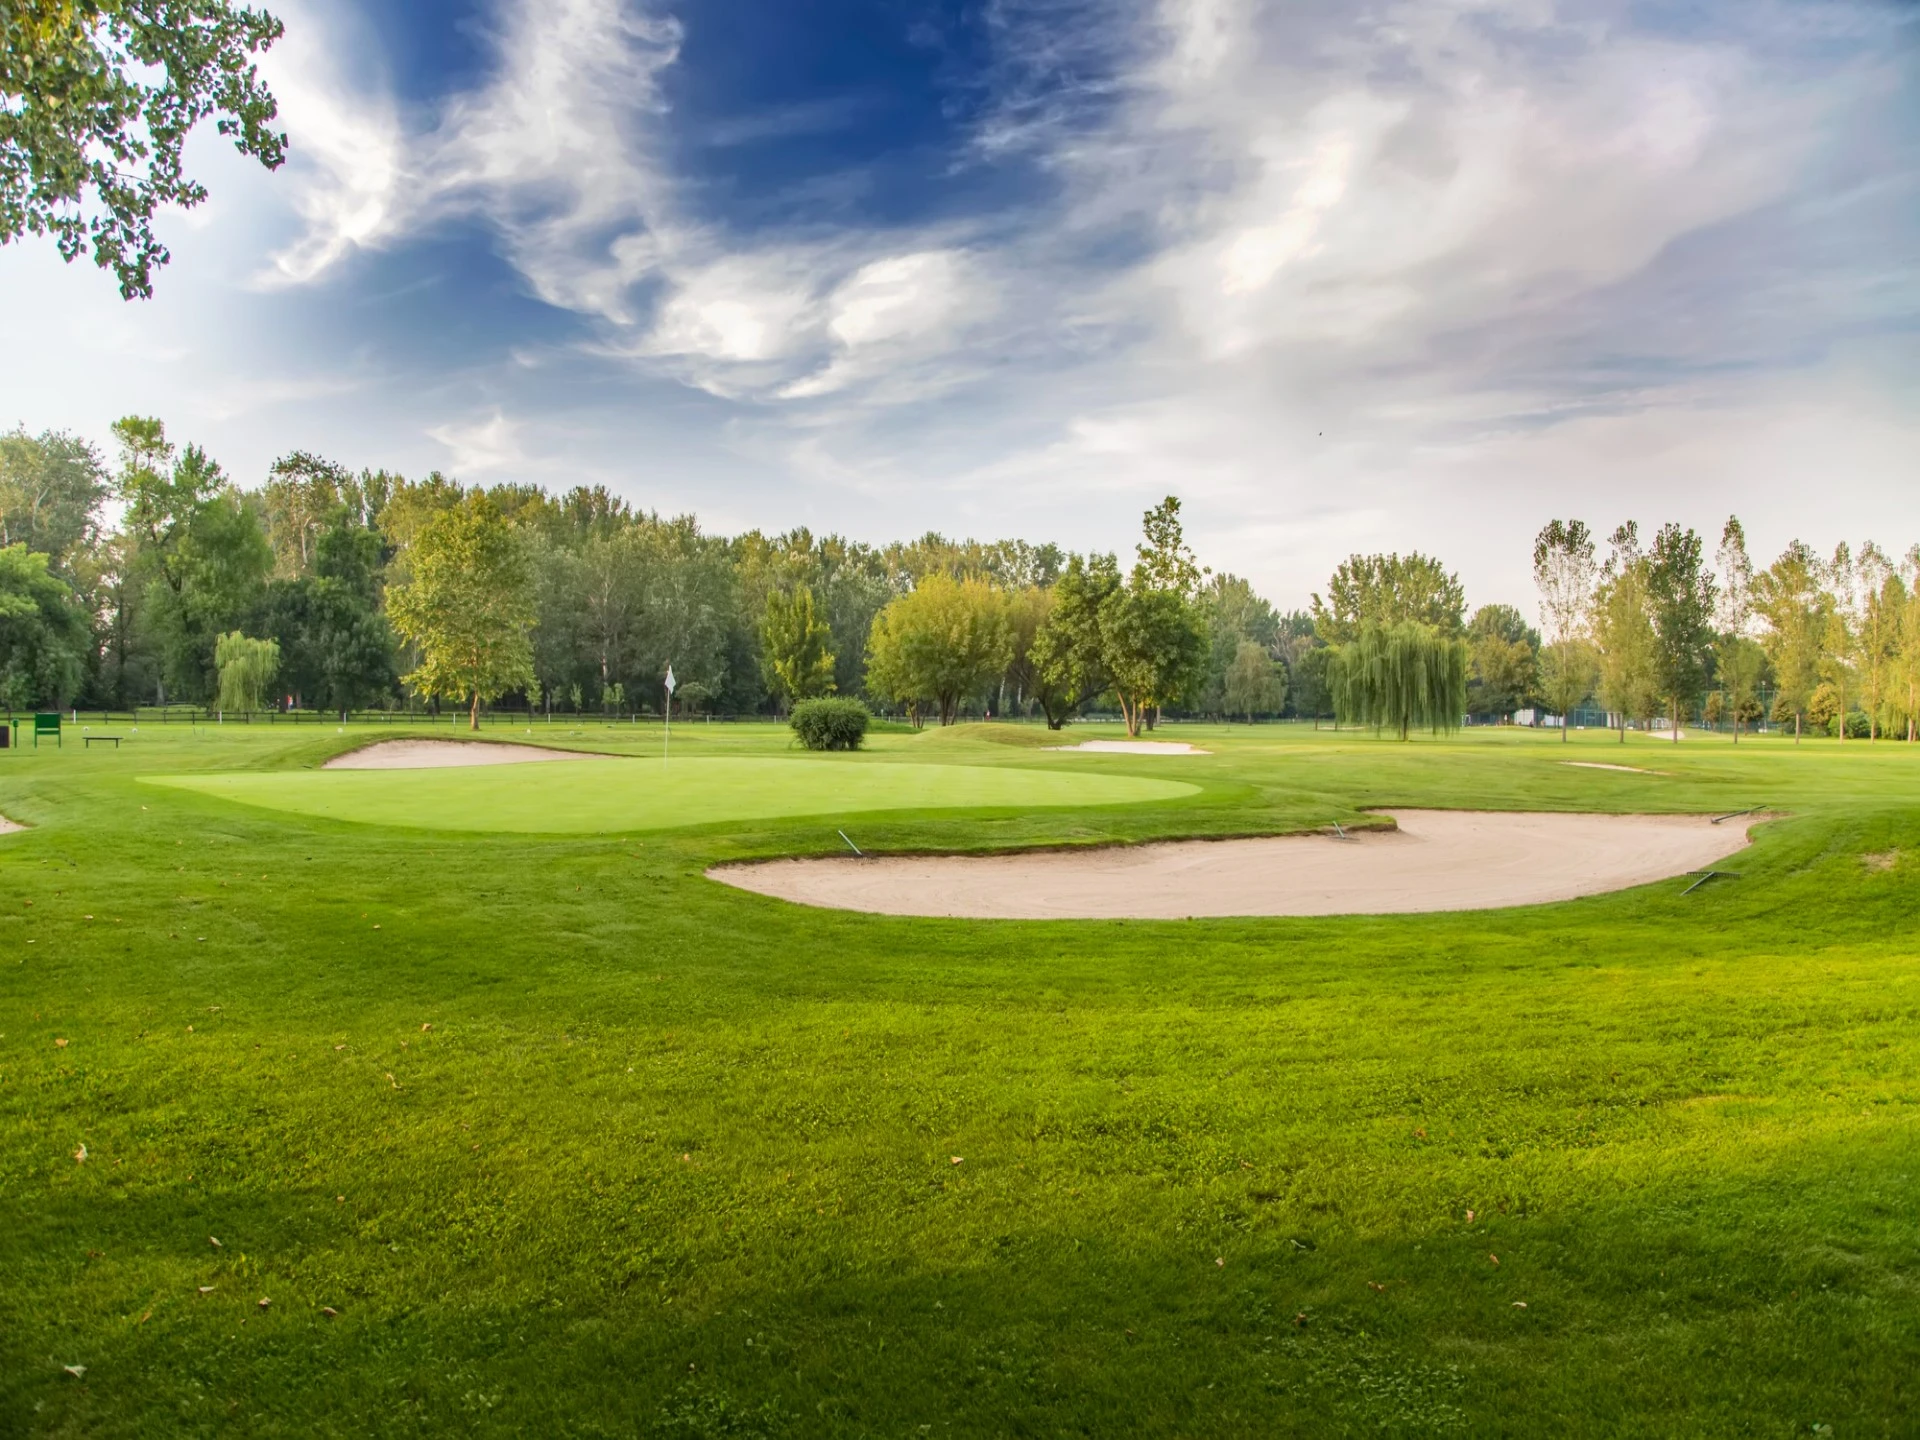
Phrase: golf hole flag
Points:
(671, 684)
(666, 734)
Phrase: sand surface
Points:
(7, 827)
(443, 754)
(1436, 860)
(1135, 747)
(1599, 765)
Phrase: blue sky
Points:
(1343, 277)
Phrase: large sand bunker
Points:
(8, 827)
(445, 754)
(1435, 860)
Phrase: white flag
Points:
(670, 681)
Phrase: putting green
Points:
(597, 796)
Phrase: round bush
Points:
(830, 724)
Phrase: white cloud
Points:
(480, 447)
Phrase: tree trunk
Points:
(473, 718)
(1796, 727)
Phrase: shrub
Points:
(1856, 725)
(830, 724)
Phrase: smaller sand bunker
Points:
(1602, 765)
(1133, 747)
(1435, 860)
(9, 827)
(447, 754)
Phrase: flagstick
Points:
(666, 734)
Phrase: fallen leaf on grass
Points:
(391, 1081)
(263, 1302)
(328, 1311)
(80, 1155)
(1420, 1134)
(59, 1044)
(1220, 1260)
(206, 1289)
(1376, 1287)
(79, 1372)
(426, 1027)
(1519, 1304)
(1495, 1259)
(1469, 1217)
(1301, 1319)
(956, 1159)
(144, 1318)
(211, 1240)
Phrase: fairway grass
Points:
(572, 1141)
(606, 796)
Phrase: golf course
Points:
(465, 1101)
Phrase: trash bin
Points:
(6, 734)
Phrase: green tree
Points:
(1790, 596)
(1906, 665)
(247, 667)
(336, 648)
(51, 488)
(198, 556)
(1876, 636)
(1027, 610)
(1385, 590)
(1502, 666)
(1311, 683)
(97, 98)
(1680, 596)
(799, 664)
(942, 642)
(1233, 613)
(1153, 643)
(43, 634)
(1564, 571)
(1255, 683)
(1623, 633)
(1742, 665)
(1738, 661)
(1164, 560)
(1068, 656)
(1396, 677)
(467, 606)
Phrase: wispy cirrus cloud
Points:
(1320, 269)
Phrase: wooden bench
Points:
(113, 740)
(46, 724)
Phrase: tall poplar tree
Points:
(1680, 592)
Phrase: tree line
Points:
(333, 590)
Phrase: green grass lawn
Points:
(627, 795)
(674, 1159)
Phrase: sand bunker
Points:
(1135, 747)
(8, 827)
(443, 754)
(1601, 765)
(1436, 860)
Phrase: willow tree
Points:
(1396, 677)
(247, 667)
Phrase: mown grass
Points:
(675, 1159)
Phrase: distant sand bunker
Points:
(1600, 765)
(8, 827)
(444, 754)
(1436, 860)
(1135, 747)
